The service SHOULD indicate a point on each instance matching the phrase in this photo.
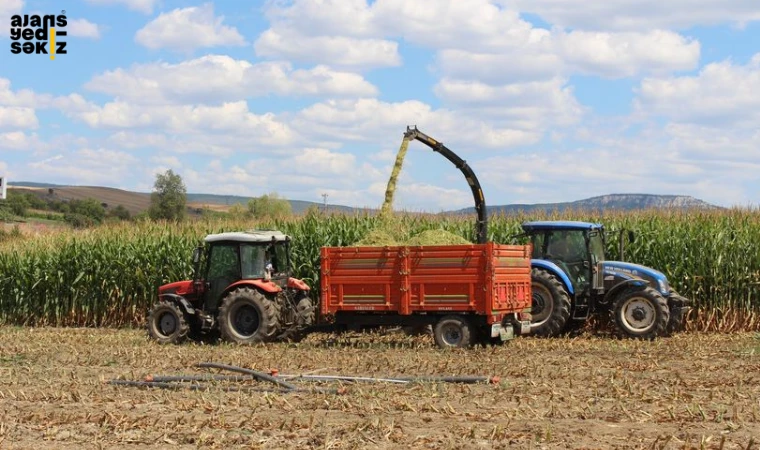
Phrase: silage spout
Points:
(387, 209)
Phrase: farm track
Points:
(688, 391)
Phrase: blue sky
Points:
(547, 101)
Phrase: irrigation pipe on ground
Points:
(180, 381)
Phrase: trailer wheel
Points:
(453, 331)
(641, 313)
(304, 315)
(247, 317)
(551, 304)
(167, 323)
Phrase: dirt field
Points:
(689, 391)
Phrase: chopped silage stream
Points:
(390, 231)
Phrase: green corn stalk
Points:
(108, 276)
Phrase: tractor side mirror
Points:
(196, 255)
(631, 236)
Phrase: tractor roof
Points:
(248, 236)
(559, 225)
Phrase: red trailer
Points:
(467, 292)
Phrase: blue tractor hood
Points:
(628, 271)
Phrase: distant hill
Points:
(621, 202)
(137, 202)
(229, 200)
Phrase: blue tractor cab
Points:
(573, 280)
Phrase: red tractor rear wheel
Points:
(247, 317)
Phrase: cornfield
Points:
(108, 276)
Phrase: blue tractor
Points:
(572, 280)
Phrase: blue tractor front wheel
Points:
(641, 313)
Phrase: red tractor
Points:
(241, 287)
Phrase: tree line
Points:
(168, 202)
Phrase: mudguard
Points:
(295, 283)
(633, 282)
(555, 269)
(266, 286)
(180, 300)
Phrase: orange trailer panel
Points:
(487, 279)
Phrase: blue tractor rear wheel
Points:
(551, 304)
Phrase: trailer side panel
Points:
(485, 279)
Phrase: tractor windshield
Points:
(279, 258)
(253, 261)
(567, 246)
(596, 247)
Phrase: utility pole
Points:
(324, 202)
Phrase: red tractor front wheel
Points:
(167, 323)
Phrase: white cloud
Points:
(716, 165)
(610, 55)
(17, 117)
(18, 140)
(338, 51)
(167, 162)
(86, 166)
(530, 105)
(215, 78)
(722, 93)
(185, 29)
(83, 28)
(352, 17)
(198, 142)
(439, 24)
(517, 65)
(454, 24)
(627, 54)
(133, 140)
(473, 40)
(639, 14)
(371, 120)
(143, 6)
(555, 176)
(23, 98)
(323, 161)
(417, 197)
(228, 118)
(706, 143)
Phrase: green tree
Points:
(18, 203)
(237, 211)
(120, 212)
(269, 206)
(88, 207)
(169, 198)
(34, 201)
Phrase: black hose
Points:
(195, 387)
(203, 387)
(165, 378)
(256, 374)
(465, 380)
(341, 378)
(398, 380)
